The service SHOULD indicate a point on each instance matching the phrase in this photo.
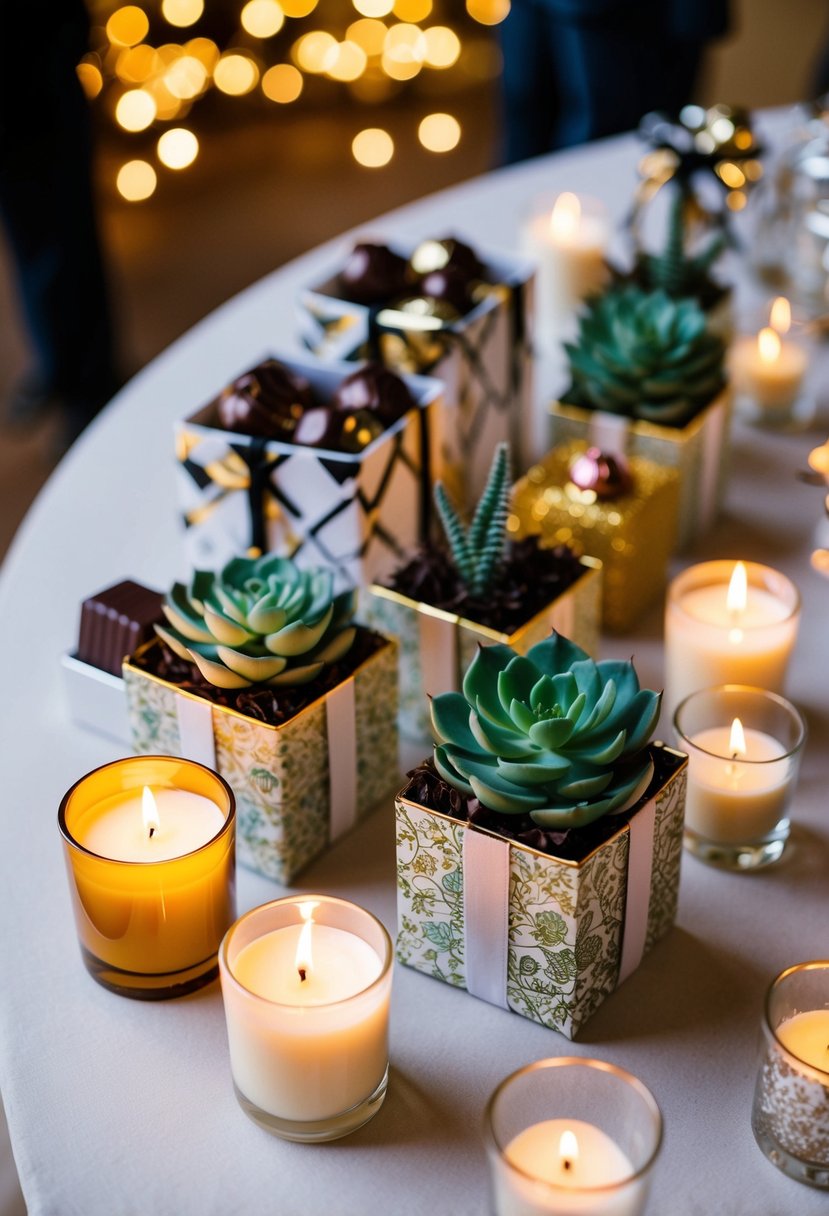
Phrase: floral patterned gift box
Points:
(329, 752)
(483, 357)
(354, 511)
(545, 904)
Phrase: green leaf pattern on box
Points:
(565, 921)
(280, 776)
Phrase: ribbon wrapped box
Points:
(356, 513)
(699, 452)
(633, 534)
(484, 360)
(437, 646)
(548, 938)
(298, 786)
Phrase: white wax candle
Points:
(307, 1049)
(769, 369)
(569, 245)
(590, 1176)
(707, 642)
(806, 1036)
(116, 828)
(735, 800)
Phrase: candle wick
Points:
(567, 1163)
(302, 973)
(151, 833)
(734, 755)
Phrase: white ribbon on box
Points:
(197, 742)
(485, 861)
(439, 661)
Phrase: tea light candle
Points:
(150, 848)
(728, 623)
(306, 986)
(769, 368)
(569, 244)
(574, 1157)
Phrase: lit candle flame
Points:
(568, 1148)
(304, 954)
(565, 217)
(768, 346)
(735, 600)
(149, 812)
(737, 742)
(780, 317)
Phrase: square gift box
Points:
(355, 513)
(437, 646)
(484, 360)
(699, 452)
(299, 785)
(548, 938)
(633, 534)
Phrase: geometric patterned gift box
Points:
(547, 938)
(483, 359)
(298, 786)
(436, 647)
(699, 451)
(355, 513)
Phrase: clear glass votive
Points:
(306, 983)
(728, 622)
(152, 897)
(570, 1135)
(790, 1116)
(744, 747)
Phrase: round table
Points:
(121, 1106)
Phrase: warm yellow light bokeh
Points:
(137, 64)
(298, 8)
(488, 12)
(235, 74)
(372, 148)
(373, 8)
(395, 69)
(405, 44)
(182, 12)
(91, 79)
(439, 132)
(186, 78)
(442, 46)
(282, 83)
(136, 180)
(203, 49)
(166, 105)
(312, 50)
(412, 10)
(177, 148)
(368, 33)
(127, 25)
(346, 62)
(262, 18)
(136, 110)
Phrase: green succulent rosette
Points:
(259, 621)
(645, 355)
(551, 734)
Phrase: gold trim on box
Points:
(651, 430)
(228, 709)
(592, 569)
(526, 848)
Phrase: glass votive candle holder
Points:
(569, 1135)
(150, 850)
(770, 373)
(306, 984)
(744, 747)
(728, 622)
(790, 1116)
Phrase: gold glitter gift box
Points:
(633, 534)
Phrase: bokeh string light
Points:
(151, 64)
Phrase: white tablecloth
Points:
(123, 1107)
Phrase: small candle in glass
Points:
(769, 373)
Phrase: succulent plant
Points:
(551, 734)
(645, 355)
(259, 621)
(478, 550)
(677, 272)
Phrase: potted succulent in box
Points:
(648, 379)
(482, 588)
(538, 851)
(261, 673)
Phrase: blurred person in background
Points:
(48, 214)
(575, 70)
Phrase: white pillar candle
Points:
(769, 368)
(306, 986)
(564, 1166)
(569, 243)
(728, 623)
(735, 795)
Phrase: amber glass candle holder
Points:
(150, 927)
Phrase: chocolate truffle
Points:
(373, 274)
(266, 402)
(374, 389)
(608, 476)
(450, 285)
(115, 622)
(447, 253)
